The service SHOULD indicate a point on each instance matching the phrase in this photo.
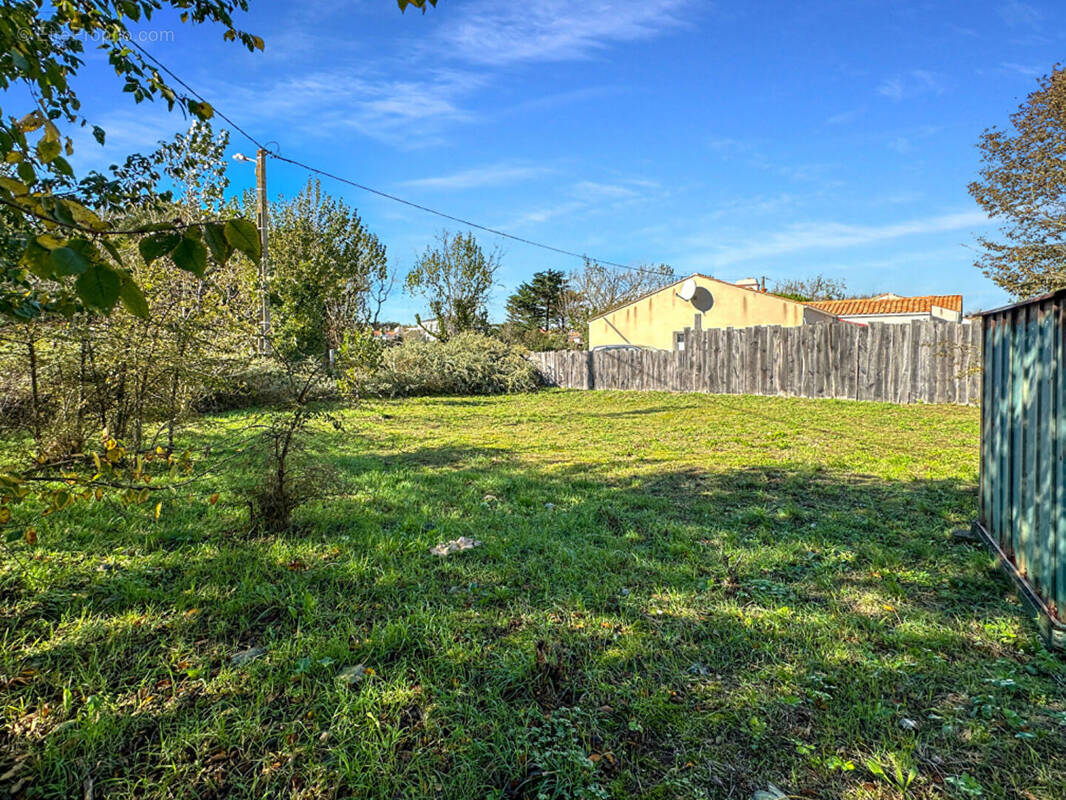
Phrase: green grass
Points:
(677, 596)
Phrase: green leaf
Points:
(132, 297)
(191, 256)
(99, 287)
(84, 216)
(47, 150)
(244, 236)
(62, 167)
(112, 250)
(17, 188)
(203, 111)
(68, 261)
(49, 242)
(215, 238)
(25, 171)
(37, 259)
(158, 245)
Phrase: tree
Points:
(807, 290)
(1022, 183)
(330, 273)
(456, 279)
(58, 233)
(538, 303)
(66, 228)
(126, 373)
(596, 288)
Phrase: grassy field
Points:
(676, 596)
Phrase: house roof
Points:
(685, 278)
(890, 305)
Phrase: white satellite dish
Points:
(687, 290)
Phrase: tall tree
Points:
(1022, 183)
(538, 303)
(326, 267)
(807, 289)
(596, 288)
(455, 278)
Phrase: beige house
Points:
(890, 307)
(655, 319)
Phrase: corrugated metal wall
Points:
(1023, 445)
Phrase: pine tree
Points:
(538, 303)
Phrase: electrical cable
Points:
(332, 176)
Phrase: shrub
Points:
(263, 383)
(468, 363)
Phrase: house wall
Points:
(652, 320)
(936, 313)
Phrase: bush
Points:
(468, 363)
(263, 383)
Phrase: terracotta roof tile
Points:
(900, 305)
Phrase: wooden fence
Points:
(917, 362)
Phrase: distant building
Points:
(388, 335)
(891, 307)
(428, 331)
(657, 319)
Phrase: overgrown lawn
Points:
(675, 596)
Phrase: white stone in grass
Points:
(352, 675)
(446, 548)
(908, 724)
(771, 792)
(246, 656)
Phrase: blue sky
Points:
(755, 138)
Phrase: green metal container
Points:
(1023, 450)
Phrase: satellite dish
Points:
(687, 290)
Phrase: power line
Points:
(379, 193)
(197, 95)
(460, 220)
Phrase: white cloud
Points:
(1023, 69)
(748, 151)
(542, 215)
(592, 189)
(496, 33)
(831, 236)
(1018, 14)
(907, 141)
(844, 117)
(408, 113)
(479, 177)
(911, 84)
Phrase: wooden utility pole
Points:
(264, 261)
